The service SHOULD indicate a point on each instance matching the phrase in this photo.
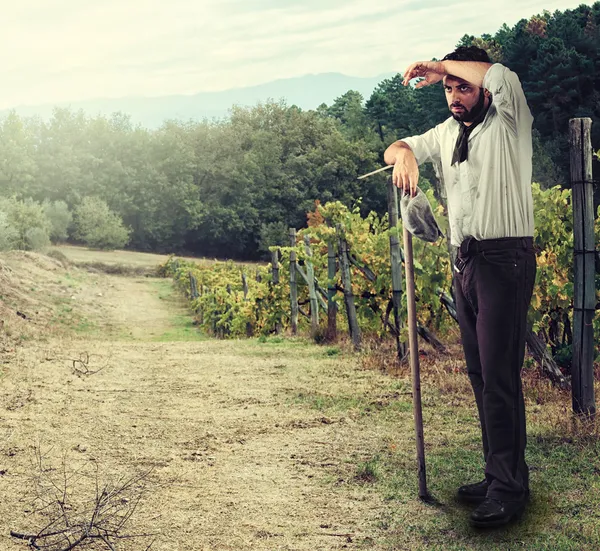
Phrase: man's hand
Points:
(432, 71)
(406, 170)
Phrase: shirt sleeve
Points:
(508, 97)
(425, 147)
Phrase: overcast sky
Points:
(69, 50)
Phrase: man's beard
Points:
(470, 115)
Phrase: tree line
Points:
(232, 187)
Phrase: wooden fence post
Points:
(293, 285)
(331, 292)
(245, 291)
(214, 314)
(193, 286)
(201, 308)
(275, 281)
(225, 312)
(244, 287)
(312, 293)
(396, 264)
(348, 295)
(584, 298)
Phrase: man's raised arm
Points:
(434, 71)
(471, 71)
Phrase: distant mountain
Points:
(307, 92)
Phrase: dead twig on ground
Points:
(81, 366)
(76, 510)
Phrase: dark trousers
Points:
(493, 289)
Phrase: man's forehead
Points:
(451, 80)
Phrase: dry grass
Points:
(30, 286)
(84, 255)
(125, 259)
(447, 374)
(118, 269)
(240, 462)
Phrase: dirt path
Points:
(240, 460)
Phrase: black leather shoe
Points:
(493, 512)
(473, 493)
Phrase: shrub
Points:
(37, 239)
(58, 255)
(99, 227)
(8, 235)
(22, 217)
(60, 218)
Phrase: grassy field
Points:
(85, 256)
(564, 513)
(127, 258)
(280, 444)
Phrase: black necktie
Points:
(461, 149)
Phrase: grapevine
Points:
(225, 309)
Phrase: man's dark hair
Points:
(468, 53)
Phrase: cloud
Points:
(77, 49)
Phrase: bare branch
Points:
(81, 366)
(70, 518)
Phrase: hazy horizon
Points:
(75, 50)
(192, 94)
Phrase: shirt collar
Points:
(477, 129)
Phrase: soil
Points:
(235, 458)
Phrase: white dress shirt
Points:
(489, 194)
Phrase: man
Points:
(485, 151)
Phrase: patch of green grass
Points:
(164, 288)
(368, 471)
(69, 280)
(85, 326)
(183, 329)
(564, 512)
(357, 404)
(276, 339)
(61, 300)
(566, 521)
(271, 347)
(323, 402)
(182, 326)
(69, 319)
